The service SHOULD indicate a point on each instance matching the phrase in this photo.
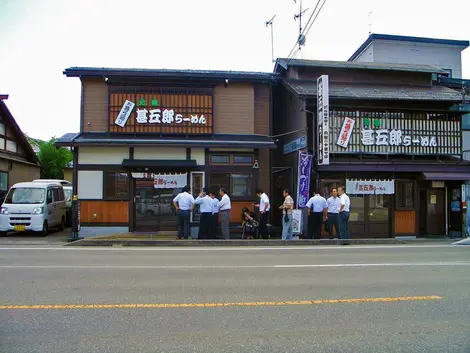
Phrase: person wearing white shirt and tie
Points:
(206, 208)
(317, 208)
(224, 209)
(344, 213)
(215, 216)
(183, 203)
(334, 204)
(264, 208)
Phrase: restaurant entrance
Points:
(153, 207)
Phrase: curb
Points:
(209, 243)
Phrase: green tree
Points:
(53, 159)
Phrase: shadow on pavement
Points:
(30, 238)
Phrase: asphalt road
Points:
(320, 299)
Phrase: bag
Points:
(286, 218)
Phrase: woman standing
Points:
(287, 208)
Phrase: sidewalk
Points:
(153, 240)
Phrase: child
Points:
(249, 224)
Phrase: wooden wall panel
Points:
(234, 109)
(236, 212)
(106, 212)
(95, 108)
(405, 222)
(262, 109)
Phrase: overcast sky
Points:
(40, 38)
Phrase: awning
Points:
(150, 140)
(446, 176)
(150, 163)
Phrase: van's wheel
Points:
(3, 234)
(62, 224)
(45, 229)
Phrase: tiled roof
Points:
(386, 92)
(282, 62)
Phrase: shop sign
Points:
(438, 184)
(323, 117)
(345, 133)
(369, 187)
(124, 114)
(296, 221)
(295, 145)
(303, 182)
(395, 137)
(164, 181)
(167, 116)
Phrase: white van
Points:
(35, 206)
(60, 181)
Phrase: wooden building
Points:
(18, 161)
(388, 131)
(144, 134)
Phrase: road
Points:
(311, 299)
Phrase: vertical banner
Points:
(303, 181)
(323, 119)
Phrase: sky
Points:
(40, 38)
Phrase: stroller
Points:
(249, 224)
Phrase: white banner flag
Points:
(370, 187)
(164, 181)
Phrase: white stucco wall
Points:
(159, 153)
(199, 155)
(102, 155)
(90, 184)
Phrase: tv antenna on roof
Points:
(270, 23)
(370, 22)
(301, 38)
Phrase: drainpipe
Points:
(446, 211)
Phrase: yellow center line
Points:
(213, 305)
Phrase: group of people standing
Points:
(333, 211)
(210, 207)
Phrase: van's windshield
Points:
(25, 196)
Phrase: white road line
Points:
(190, 267)
(241, 248)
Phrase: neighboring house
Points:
(18, 161)
(68, 172)
(144, 134)
(385, 48)
(389, 127)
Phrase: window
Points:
(49, 196)
(237, 185)
(11, 146)
(2, 129)
(116, 185)
(3, 182)
(405, 194)
(218, 159)
(27, 196)
(466, 122)
(56, 194)
(242, 159)
(239, 159)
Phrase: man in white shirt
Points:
(215, 216)
(344, 213)
(206, 208)
(317, 208)
(224, 209)
(264, 208)
(334, 204)
(183, 203)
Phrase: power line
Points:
(319, 10)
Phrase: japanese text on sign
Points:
(323, 116)
(167, 116)
(123, 116)
(384, 137)
(345, 133)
